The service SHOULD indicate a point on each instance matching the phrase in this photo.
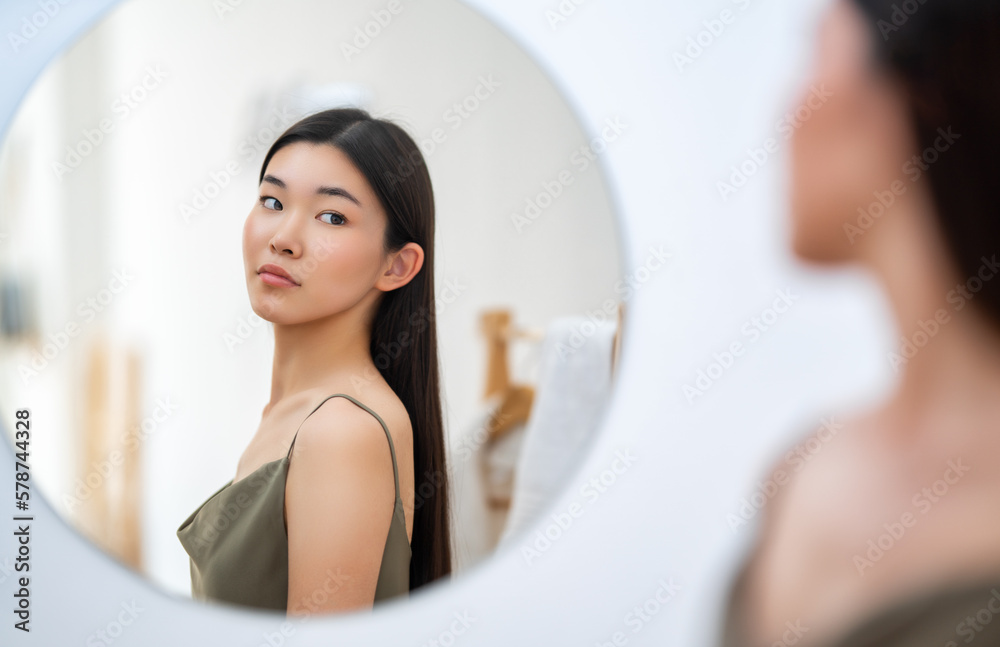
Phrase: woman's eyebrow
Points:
(323, 190)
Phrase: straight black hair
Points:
(406, 317)
(946, 53)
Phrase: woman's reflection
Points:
(338, 253)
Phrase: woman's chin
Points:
(818, 249)
(269, 313)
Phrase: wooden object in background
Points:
(129, 506)
(616, 346)
(515, 399)
(112, 467)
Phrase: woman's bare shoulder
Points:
(840, 485)
(339, 497)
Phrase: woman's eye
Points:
(265, 199)
(332, 216)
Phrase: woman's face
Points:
(318, 219)
(851, 149)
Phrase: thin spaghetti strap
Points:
(392, 449)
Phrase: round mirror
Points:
(125, 322)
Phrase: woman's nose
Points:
(287, 237)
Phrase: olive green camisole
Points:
(945, 616)
(238, 543)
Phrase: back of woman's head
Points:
(404, 333)
(946, 53)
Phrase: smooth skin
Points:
(339, 492)
(946, 405)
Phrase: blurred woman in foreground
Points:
(891, 535)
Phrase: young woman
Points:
(323, 513)
(890, 535)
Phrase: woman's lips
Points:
(276, 281)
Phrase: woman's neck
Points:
(947, 352)
(328, 353)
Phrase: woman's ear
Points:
(403, 266)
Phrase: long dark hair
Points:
(946, 53)
(404, 330)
